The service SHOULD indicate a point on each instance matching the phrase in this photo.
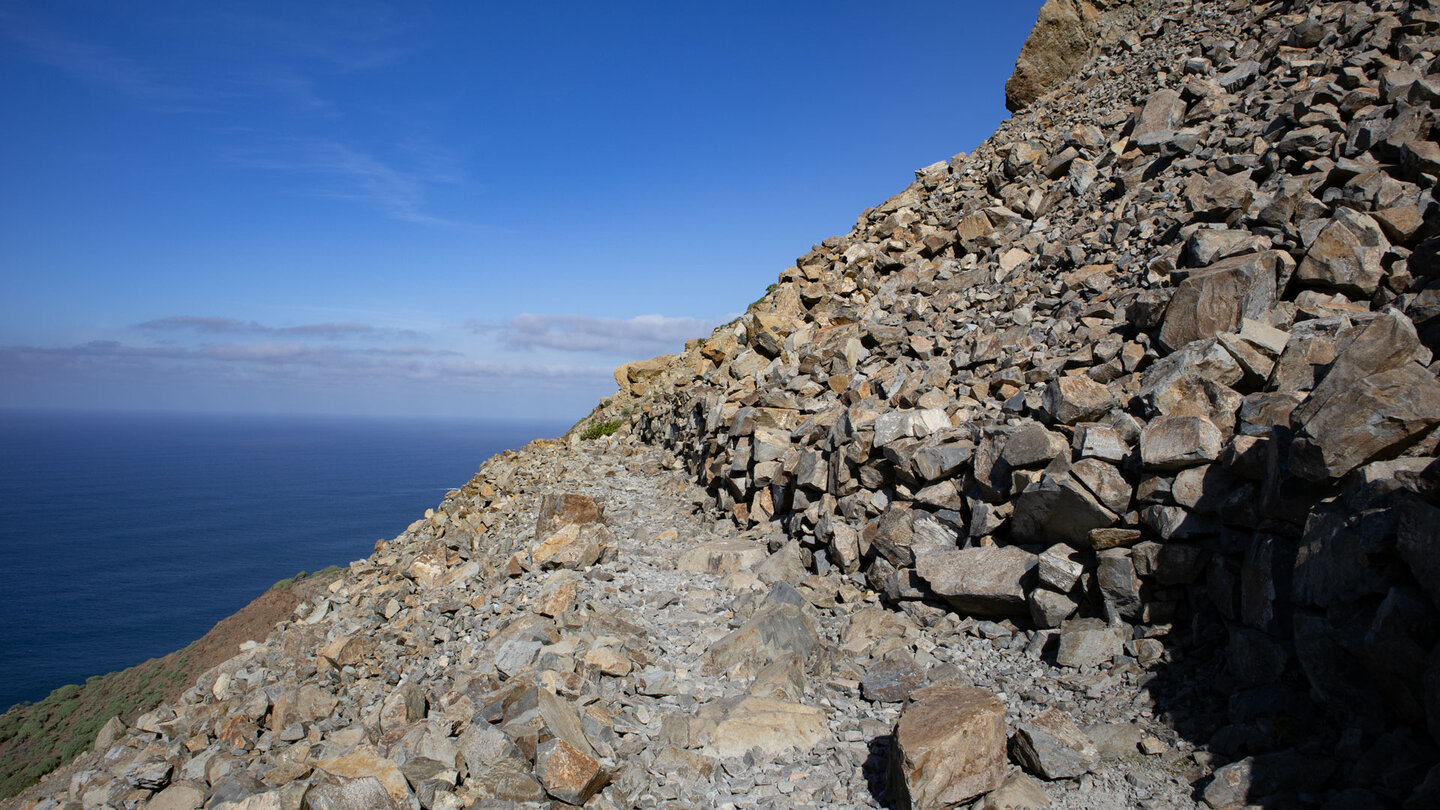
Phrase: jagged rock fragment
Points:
(567, 773)
(1052, 747)
(948, 747)
(1374, 400)
(1062, 39)
(774, 631)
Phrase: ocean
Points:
(127, 536)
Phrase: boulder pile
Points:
(1094, 469)
(1159, 353)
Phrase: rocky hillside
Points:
(1094, 469)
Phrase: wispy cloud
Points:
(288, 86)
(277, 361)
(91, 63)
(640, 335)
(348, 37)
(346, 173)
(232, 326)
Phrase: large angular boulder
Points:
(775, 631)
(948, 748)
(984, 581)
(361, 793)
(1374, 402)
(754, 725)
(563, 509)
(1346, 255)
(1058, 508)
(1087, 643)
(722, 557)
(572, 546)
(1064, 36)
(1076, 398)
(643, 377)
(568, 773)
(366, 761)
(1215, 299)
(1177, 442)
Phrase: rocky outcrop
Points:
(1063, 40)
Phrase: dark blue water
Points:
(124, 537)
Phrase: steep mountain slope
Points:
(1101, 456)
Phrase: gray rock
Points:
(336, 793)
(1346, 255)
(1076, 398)
(985, 581)
(1061, 41)
(1058, 508)
(1052, 747)
(893, 679)
(1374, 401)
(1087, 643)
(773, 632)
(1217, 298)
(1177, 442)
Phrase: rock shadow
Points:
(876, 767)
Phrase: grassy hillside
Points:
(36, 738)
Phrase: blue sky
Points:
(440, 208)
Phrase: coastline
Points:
(71, 716)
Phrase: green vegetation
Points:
(772, 288)
(36, 738)
(327, 573)
(599, 429)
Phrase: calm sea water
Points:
(124, 537)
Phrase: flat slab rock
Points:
(986, 581)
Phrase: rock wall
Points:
(1159, 352)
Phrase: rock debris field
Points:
(1093, 469)
(644, 653)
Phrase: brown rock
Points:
(641, 377)
(1062, 39)
(362, 793)
(766, 726)
(1061, 508)
(1076, 398)
(1215, 299)
(1346, 255)
(178, 797)
(567, 773)
(1087, 643)
(366, 761)
(722, 557)
(1052, 747)
(558, 510)
(893, 679)
(1032, 445)
(1020, 792)
(948, 747)
(573, 546)
(348, 650)
(773, 632)
(1177, 442)
(1373, 403)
